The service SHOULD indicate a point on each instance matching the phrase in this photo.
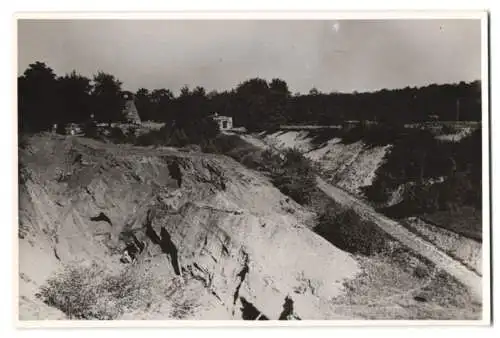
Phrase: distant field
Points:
(152, 125)
(452, 124)
(309, 127)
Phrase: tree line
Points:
(45, 98)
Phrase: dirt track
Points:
(468, 277)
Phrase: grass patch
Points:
(398, 285)
(294, 176)
(289, 171)
(93, 292)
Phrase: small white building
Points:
(73, 129)
(225, 122)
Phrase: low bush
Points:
(154, 137)
(201, 133)
(345, 229)
(236, 148)
(449, 129)
(224, 144)
(131, 134)
(290, 172)
(381, 189)
(371, 135)
(117, 135)
(92, 292)
(294, 176)
(90, 130)
(452, 194)
(419, 158)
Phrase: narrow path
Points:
(468, 277)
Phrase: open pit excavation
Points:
(202, 171)
(353, 169)
(115, 231)
(201, 235)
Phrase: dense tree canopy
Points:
(74, 91)
(256, 104)
(107, 98)
(38, 98)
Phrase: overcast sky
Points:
(343, 55)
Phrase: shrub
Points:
(294, 176)
(131, 134)
(200, 133)
(383, 134)
(381, 189)
(290, 172)
(192, 148)
(209, 147)
(324, 135)
(236, 148)
(90, 130)
(459, 188)
(227, 143)
(345, 229)
(92, 292)
(447, 129)
(61, 129)
(353, 134)
(178, 138)
(117, 135)
(417, 157)
(154, 137)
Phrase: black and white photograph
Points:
(327, 170)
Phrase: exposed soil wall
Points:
(197, 217)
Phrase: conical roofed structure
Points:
(130, 112)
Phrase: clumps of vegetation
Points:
(232, 145)
(377, 135)
(292, 173)
(420, 159)
(395, 282)
(183, 309)
(46, 98)
(242, 151)
(201, 133)
(92, 292)
(345, 229)
(447, 129)
(117, 135)
(90, 130)
(294, 176)
(371, 134)
(163, 137)
(411, 289)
